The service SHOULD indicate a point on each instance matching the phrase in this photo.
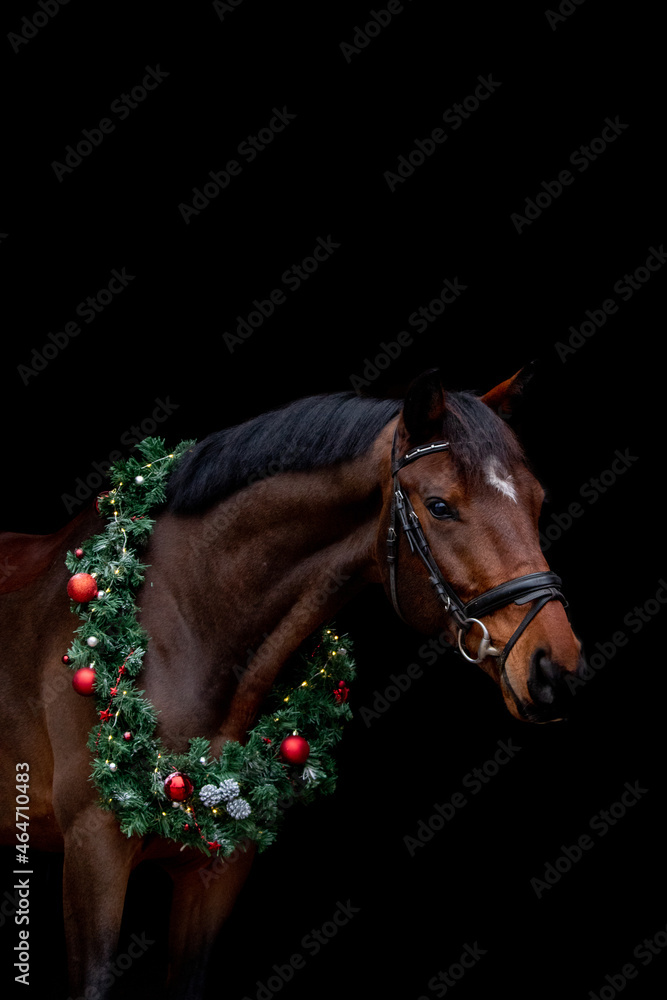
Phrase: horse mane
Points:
(319, 431)
(306, 434)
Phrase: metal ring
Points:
(484, 649)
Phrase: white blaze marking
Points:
(502, 482)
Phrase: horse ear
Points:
(503, 396)
(424, 407)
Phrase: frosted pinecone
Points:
(210, 795)
(238, 808)
(229, 789)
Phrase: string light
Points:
(317, 679)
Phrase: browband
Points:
(540, 587)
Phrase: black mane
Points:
(307, 434)
(320, 431)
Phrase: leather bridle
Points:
(539, 587)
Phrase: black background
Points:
(162, 338)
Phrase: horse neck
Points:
(232, 593)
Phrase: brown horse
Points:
(269, 528)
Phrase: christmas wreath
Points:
(215, 804)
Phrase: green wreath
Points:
(192, 798)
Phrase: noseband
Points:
(538, 587)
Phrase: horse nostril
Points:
(544, 678)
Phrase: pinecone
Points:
(229, 789)
(238, 808)
(210, 795)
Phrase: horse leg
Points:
(98, 861)
(203, 898)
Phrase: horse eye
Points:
(439, 509)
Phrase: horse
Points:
(269, 527)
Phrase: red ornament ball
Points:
(82, 587)
(65, 659)
(83, 681)
(78, 553)
(178, 787)
(294, 750)
(127, 735)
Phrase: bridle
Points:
(539, 587)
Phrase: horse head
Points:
(459, 546)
